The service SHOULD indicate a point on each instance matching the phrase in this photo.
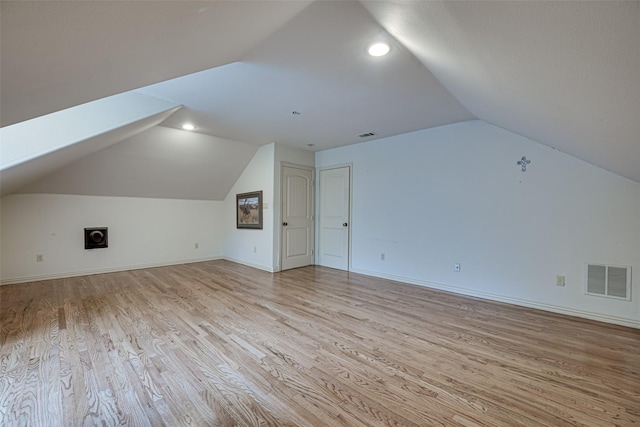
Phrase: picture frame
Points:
(249, 210)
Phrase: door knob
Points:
(344, 224)
(285, 223)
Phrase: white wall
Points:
(454, 194)
(142, 233)
(251, 246)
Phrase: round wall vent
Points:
(96, 237)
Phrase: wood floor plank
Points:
(222, 344)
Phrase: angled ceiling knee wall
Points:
(37, 147)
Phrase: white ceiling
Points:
(57, 54)
(17, 177)
(160, 162)
(317, 65)
(566, 74)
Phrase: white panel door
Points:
(297, 217)
(333, 234)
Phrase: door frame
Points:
(349, 217)
(280, 228)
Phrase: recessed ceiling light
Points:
(379, 49)
(188, 126)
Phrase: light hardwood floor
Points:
(218, 343)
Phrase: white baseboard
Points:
(62, 275)
(250, 264)
(500, 298)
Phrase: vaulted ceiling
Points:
(566, 74)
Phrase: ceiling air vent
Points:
(366, 135)
(609, 281)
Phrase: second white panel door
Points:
(333, 234)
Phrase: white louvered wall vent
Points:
(609, 281)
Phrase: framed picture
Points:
(249, 210)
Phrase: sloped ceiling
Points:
(318, 66)
(17, 177)
(34, 148)
(57, 54)
(160, 162)
(566, 74)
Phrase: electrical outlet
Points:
(456, 267)
(560, 280)
(39, 258)
(196, 245)
(255, 249)
(382, 257)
